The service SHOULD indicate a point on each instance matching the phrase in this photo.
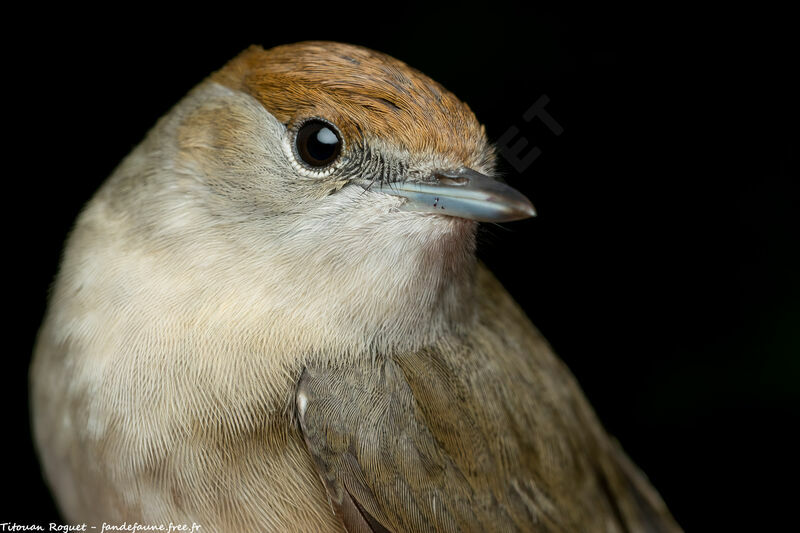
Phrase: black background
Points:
(663, 264)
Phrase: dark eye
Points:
(318, 143)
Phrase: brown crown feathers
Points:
(366, 94)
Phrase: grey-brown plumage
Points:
(271, 318)
(485, 431)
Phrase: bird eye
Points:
(318, 143)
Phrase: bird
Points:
(271, 317)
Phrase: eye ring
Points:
(317, 144)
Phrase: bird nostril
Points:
(451, 181)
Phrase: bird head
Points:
(358, 118)
(344, 181)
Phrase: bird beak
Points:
(462, 193)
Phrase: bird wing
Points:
(484, 432)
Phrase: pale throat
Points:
(406, 281)
(397, 283)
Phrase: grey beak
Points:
(463, 193)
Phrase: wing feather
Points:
(486, 431)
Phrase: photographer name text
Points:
(125, 526)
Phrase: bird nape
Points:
(270, 317)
